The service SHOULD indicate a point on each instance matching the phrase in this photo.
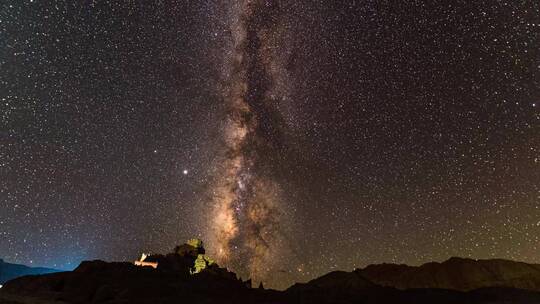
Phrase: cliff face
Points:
(456, 274)
(10, 271)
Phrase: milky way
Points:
(246, 207)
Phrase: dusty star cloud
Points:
(293, 137)
(247, 210)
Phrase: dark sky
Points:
(293, 137)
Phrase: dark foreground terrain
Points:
(454, 281)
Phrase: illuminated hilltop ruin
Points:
(189, 256)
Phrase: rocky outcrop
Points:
(101, 282)
(456, 274)
(188, 257)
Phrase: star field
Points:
(399, 132)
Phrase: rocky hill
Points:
(185, 274)
(456, 274)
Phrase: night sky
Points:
(293, 137)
